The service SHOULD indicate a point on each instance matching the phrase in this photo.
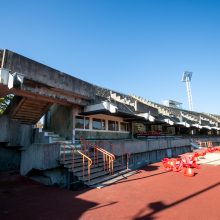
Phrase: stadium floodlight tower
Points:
(187, 76)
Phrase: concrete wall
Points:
(44, 157)
(140, 159)
(61, 121)
(14, 133)
(139, 146)
(39, 156)
(205, 139)
(119, 147)
(96, 135)
(9, 159)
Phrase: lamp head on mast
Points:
(187, 76)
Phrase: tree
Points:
(4, 102)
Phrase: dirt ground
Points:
(153, 193)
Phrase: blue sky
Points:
(136, 47)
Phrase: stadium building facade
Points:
(78, 117)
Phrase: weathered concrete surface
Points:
(140, 146)
(119, 147)
(139, 159)
(9, 159)
(45, 75)
(40, 137)
(56, 176)
(14, 133)
(39, 156)
(96, 135)
(60, 121)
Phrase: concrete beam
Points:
(47, 76)
(50, 95)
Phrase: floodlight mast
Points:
(187, 76)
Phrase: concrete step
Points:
(57, 139)
(101, 179)
(63, 141)
(79, 173)
(77, 159)
(102, 174)
(94, 169)
(68, 163)
(48, 133)
(121, 176)
(53, 136)
(80, 165)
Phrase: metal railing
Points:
(108, 158)
(84, 156)
(84, 144)
(205, 143)
(83, 164)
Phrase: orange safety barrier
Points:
(189, 172)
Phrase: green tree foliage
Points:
(4, 102)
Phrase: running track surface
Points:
(153, 193)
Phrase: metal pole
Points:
(188, 88)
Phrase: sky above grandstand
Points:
(137, 47)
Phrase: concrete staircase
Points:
(98, 176)
(48, 137)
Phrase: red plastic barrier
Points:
(189, 172)
(187, 163)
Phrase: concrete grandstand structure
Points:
(90, 134)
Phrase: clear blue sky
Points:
(133, 46)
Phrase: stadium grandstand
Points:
(62, 130)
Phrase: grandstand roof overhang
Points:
(196, 125)
(206, 127)
(108, 108)
(24, 77)
(215, 128)
(182, 123)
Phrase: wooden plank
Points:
(30, 108)
(13, 112)
(23, 117)
(29, 113)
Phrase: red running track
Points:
(153, 193)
